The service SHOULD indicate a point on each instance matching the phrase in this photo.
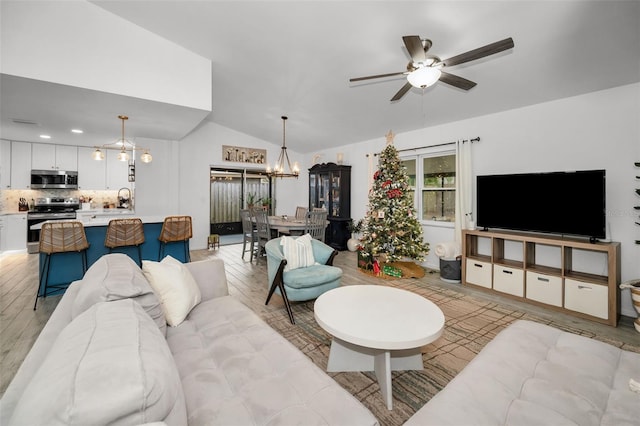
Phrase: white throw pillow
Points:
(175, 287)
(297, 251)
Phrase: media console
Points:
(545, 271)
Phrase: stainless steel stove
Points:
(50, 208)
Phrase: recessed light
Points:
(45, 136)
(76, 131)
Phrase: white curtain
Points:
(464, 209)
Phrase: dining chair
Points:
(315, 224)
(263, 230)
(301, 212)
(127, 232)
(55, 238)
(249, 234)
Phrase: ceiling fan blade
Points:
(415, 48)
(457, 81)
(376, 76)
(401, 92)
(480, 52)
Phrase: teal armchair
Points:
(301, 284)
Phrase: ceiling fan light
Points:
(424, 77)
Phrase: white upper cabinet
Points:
(56, 157)
(5, 164)
(20, 165)
(117, 171)
(92, 174)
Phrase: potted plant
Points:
(251, 200)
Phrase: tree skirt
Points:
(408, 270)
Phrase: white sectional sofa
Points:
(533, 374)
(106, 357)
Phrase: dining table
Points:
(287, 224)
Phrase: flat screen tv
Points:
(570, 203)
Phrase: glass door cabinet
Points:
(330, 189)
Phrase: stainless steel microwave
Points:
(54, 179)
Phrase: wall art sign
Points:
(238, 154)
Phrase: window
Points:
(437, 186)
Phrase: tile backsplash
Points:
(9, 198)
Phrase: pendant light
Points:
(124, 146)
(282, 167)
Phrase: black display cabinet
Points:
(330, 188)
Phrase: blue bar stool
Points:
(55, 238)
(176, 229)
(125, 233)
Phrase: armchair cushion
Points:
(298, 252)
(311, 276)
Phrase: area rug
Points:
(470, 324)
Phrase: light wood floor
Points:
(20, 325)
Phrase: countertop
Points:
(103, 220)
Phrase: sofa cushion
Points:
(298, 252)
(111, 365)
(237, 370)
(175, 287)
(114, 277)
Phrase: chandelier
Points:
(279, 169)
(124, 146)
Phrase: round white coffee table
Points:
(377, 328)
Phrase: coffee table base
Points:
(345, 356)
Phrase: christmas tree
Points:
(390, 229)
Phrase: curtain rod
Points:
(476, 139)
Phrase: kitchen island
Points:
(67, 267)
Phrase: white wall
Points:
(80, 44)
(595, 131)
(202, 149)
(157, 183)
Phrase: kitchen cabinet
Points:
(330, 189)
(5, 164)
(92, 174)
(117, 171)
(20, 165)
(57, 157)
(15, 231)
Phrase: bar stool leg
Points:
(44, 279)
(187, 255)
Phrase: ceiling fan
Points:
(424, 70)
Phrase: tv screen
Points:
(571, 203)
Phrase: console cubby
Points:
(565, 274)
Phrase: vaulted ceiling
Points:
(274, 58)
